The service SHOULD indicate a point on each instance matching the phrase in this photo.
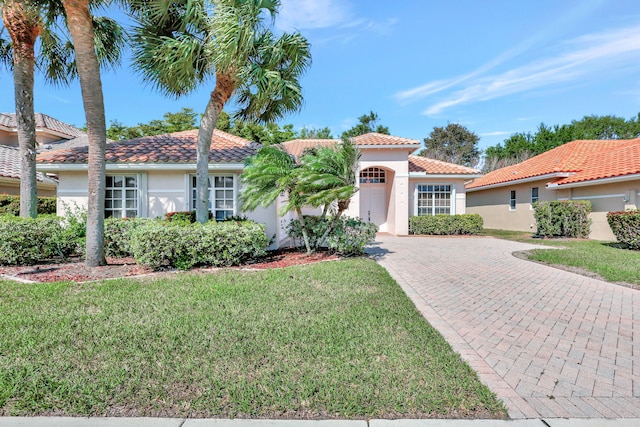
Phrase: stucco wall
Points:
(12, 187)
(493, 204)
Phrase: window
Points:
(221, 195)
(434, 199)
(534, 195)
(512, 200)
(121, 196)
(373, 176)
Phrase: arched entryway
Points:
(375, 187)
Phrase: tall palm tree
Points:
(27, 21)
(81, 27)
(179, 44)
(271, 172)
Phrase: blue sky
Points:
(497, 67)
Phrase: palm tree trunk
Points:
(220, 95)
(305, 236)
(81, 29)
(24, 32)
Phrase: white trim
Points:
(452, 198)
(596, 181)
(143, 195)
(72, 192)
(164, 191)
(522, 181)
(187, 192)
(388, 146)
(139, 166)
(603, 196)
(515, 199)
(442, 176)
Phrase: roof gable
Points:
(420, 164)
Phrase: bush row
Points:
(446, 224)
(29, 240)
(11, 205)
(350, 236)
(626, 227)
(563, 218)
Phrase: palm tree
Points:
(271, 172)
(81, 26)
(179, 44)
(27, 21)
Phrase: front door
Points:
(373, 203)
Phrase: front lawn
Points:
(330, 340)
(606, 259)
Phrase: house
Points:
(153, 175)
(605, 172)
(51, 134)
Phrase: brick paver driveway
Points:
(548, 342)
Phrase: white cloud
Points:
(582, 58)
(496, 133)
(312, 14)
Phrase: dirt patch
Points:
(75, 270)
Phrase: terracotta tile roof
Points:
(380, 139)
(10, 163)
(43, 122)
(570, 158)
(296, 147)
(437, 167)
(178, 147)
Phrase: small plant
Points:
(563, 218)
(445, 224)
(626, 227)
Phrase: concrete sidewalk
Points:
(182, 422)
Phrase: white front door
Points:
(373, 204)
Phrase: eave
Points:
(59, 167)
(554, 175)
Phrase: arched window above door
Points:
(373, 176)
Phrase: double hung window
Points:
(434, 199)
(121, 196)
(222, 195)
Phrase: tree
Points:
(453, 143)
(80, 25)
(185, 119)
(180, 44)
(271, 172)
(313, 133)
(366, 123)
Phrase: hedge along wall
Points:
(563, 218)
(11, 205)
(626, 227)
(446, 224)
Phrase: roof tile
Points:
(10, 163)
(437, 167)
(43, 121)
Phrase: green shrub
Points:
(117, 235)
(10, 204)
(349, 237)
(626, 227)
(159, 244)
(183, 216)
(445, 224)
(25, 241)
(563, 218)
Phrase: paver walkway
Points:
(548, 342)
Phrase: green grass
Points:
(330, 340)
(609, 260)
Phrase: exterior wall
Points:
(457, 186)
(493, 205)
(8, 138)
(72, 191)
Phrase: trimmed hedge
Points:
(10, 204)
(117, 235)
(626, 227)
(160, 244)
(349, 238)
(25, 241)
(443, 224)
(563, 218)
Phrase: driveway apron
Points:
(548, 342)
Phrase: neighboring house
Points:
(51, 134)
(153, 175)
(605, 172)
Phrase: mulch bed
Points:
(75, 270)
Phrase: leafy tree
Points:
(313, 133)
(185, 119)
(178, 45)
(366, 123)
(453, 143)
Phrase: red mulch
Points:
(75, 271)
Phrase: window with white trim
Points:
(433, 199)
(512, 200)
(534, 195)
(373, 176)
(222, 195)
(121, 196)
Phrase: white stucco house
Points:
(153, 175)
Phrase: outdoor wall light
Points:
(625, 199)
